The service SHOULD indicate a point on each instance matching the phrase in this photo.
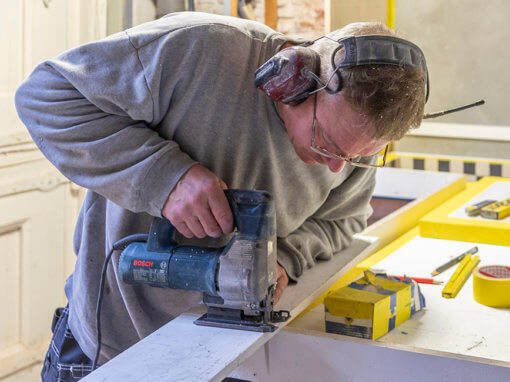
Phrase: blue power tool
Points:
(238, 280)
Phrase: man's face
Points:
(340, 130)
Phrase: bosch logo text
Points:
(143, 263)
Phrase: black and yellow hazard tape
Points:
(473, 168)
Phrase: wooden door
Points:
(38, 206)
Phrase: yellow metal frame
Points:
(364, 265)
(405, 219)
(373, 259)
(402, 226)
(438, 224)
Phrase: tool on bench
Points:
(460, 276)
(475, 209)
(497, 210)
(452, 262)
(238, 280)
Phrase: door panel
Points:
(38, 206)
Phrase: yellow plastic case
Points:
(370, 306)
(496, 211)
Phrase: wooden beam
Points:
(271, 13)
(233, 8)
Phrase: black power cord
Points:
(118, 245)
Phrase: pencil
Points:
(453, 261)
(420, 280)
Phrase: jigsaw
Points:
(238, 280)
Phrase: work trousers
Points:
(64, 361)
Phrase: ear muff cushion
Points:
(284, 77)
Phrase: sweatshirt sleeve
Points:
(331, 228)
(91, 112)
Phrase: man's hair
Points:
(391, 97)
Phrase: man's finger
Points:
(221, 211)
(282, 280)
(209, 223)
(278, 292)
(195, 226)
(183, 229)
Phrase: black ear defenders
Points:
(292, 75)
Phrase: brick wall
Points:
(296, 18)
(301, 18)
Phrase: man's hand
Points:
(197, 206)
(282, 280)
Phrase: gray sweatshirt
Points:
(127, 116)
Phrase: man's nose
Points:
(336, 165)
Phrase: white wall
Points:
(466, 46)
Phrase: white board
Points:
(398, 183)
(459, 325)
(182, 351)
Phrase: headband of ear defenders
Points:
(380, 50)
(292, 75)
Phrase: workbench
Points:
(302, 351)
(450, 340)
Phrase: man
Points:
(158, 120)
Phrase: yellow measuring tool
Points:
(460, 276)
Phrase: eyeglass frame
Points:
(325, 153)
